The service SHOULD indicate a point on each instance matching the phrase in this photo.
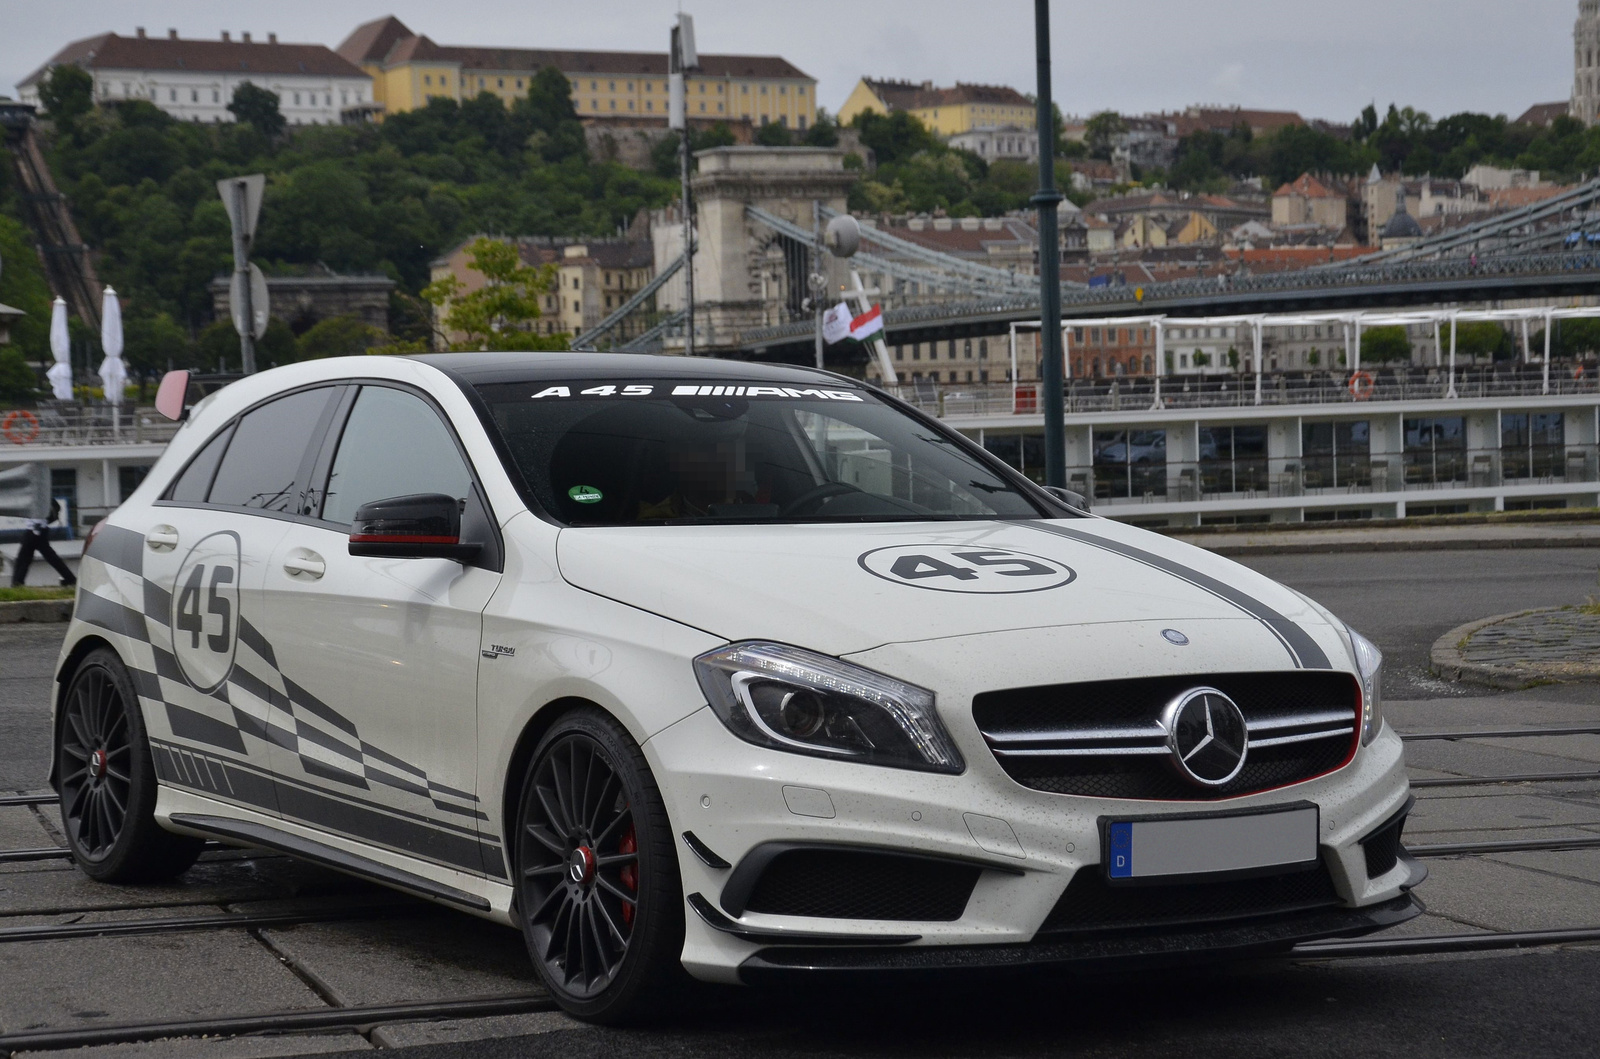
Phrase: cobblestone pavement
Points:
(1515, 650)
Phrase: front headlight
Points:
(790, 699)
(1369, 661)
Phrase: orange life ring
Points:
(20, 426)
(1577, 372)
(1361, 385)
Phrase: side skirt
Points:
(252, 834)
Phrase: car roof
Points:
(489, 368)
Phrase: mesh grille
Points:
(856, 884)
(1383, 849)
(1116, 703)
(1090, 903)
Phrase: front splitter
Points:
(1172, 945)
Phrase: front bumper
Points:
(733, 798)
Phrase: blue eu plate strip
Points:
(1121, 851)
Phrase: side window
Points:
(193, 484)
(393, 444)
(262, 464)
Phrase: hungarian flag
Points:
(867, 324)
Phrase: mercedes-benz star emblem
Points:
(1206, 735)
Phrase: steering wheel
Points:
(814, 495)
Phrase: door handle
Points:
(162, 539)
(303, 563)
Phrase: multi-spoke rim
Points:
(578, 865)
(95, 763)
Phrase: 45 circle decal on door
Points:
(973, 569)
(205, 611)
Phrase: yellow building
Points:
(945, 111)
(408, 68)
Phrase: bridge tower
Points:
(1586, 62)
(747, 276)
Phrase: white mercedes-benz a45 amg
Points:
(698, 666)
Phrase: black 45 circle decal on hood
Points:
(205, 611)
(973, 569)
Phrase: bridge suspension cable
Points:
(593, 335)
(981, 274)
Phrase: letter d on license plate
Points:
(1192, 845)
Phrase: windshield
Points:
(618, 453)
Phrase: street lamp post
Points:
(1047, 198)
(680, 60)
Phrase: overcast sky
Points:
(1321, 58)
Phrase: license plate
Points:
(1212, 845)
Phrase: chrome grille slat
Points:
(1104, 738)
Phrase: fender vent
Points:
(862, 884)
(1382, 848)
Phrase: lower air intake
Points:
(861, 884)
(1382, 848)
(1092, 904)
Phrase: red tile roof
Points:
(1310, 187)
(1543, 113)
(108, 51)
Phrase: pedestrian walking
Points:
(37, 540)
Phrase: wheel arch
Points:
(533, 730)
(64, 673)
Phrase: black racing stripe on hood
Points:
(1301, 647)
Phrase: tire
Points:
(108, 782)
(597, 881)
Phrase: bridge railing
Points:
(58, 426)
(1129, 473)
(1132, 394)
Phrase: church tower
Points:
(1586, 63)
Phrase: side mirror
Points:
(421, 526)
(170, 396)
(1070, 497)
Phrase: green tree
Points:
(1385, 345)
(218, 347)
(338, 336)
(257, 107)
(22, 286)
(893, 137)
(824, 132)
(18, 381)
(498, 315)
(155, 344)
(553, 128)
(67, 93)
(1101, 132)
(773, 134)
(1480, 338)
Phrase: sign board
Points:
(259, 306)
(254, 185)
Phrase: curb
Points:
(36, 610)
(1447, 662)
(1234, 551)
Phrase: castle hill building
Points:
(194, 80)
(408, 69)
(945, 111)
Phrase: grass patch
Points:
(8, 594)
(1591, 607)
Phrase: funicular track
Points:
(362, 1018)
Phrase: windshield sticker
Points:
(696, 390)
(585, 494)
(963, 568)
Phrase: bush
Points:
(1384, 345)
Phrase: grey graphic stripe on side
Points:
(1301, 647)
(119, 547)
(98, 610)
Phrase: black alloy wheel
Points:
(108, 783)
(597, 875)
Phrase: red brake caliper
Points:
(630, 872)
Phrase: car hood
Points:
(847, 588)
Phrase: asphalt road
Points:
(1404, 601)
(1531, 1004)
